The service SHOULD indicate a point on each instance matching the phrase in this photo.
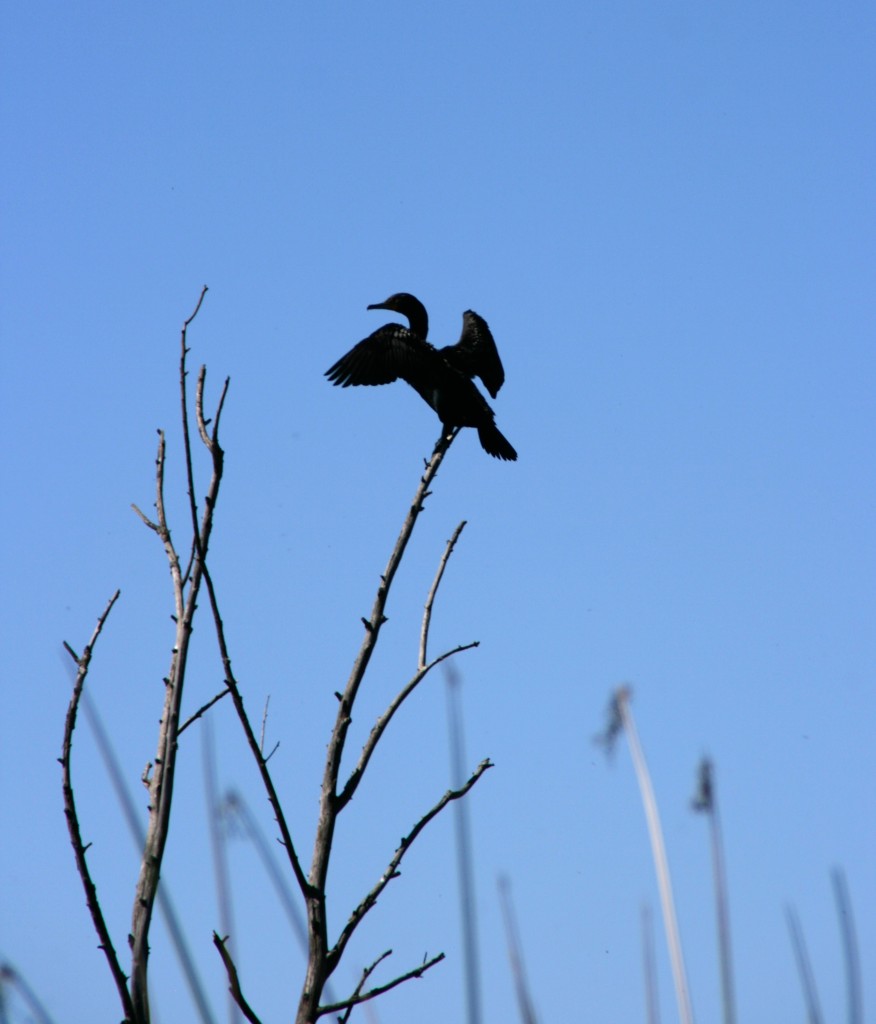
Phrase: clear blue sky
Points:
(666, 213)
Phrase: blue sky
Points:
(666, 214)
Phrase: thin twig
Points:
(417, 972)
(201, 542)
(433, 590)
(83, 662)
(233, 980)
(252, 740)
(199, 409)
(380, 725)
(202, 710)
(334, 954)
(366, 974)
(201, 538)
(264, 724)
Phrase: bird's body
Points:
(441, 377)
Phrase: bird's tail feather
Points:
(494, 443)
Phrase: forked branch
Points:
(362, 997)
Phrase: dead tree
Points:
(190, 577)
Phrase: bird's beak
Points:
(377, 305)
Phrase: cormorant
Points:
(441, 377)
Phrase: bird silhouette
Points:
(441, 377)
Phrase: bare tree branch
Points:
(366, 974)
(131, 813)
(233, 980)
(318, 967)
(185, 591)
(201, 539)
(202, 710)
(433, 590)
(252, 740)
(417, 972)
(391, 872)
(380, 725)
(83, 662)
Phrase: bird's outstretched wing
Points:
(390, 352)
(475, 353)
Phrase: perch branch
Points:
(318, 966)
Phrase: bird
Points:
(442, 377)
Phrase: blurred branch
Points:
(9, 976)
(706, 802)
(850, 946)
(804, 967)
(651, 1002)
(464, 859)
(621, 717)
(515, 955)
(218, 848)
(83, 662)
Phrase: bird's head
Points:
(411, 307)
